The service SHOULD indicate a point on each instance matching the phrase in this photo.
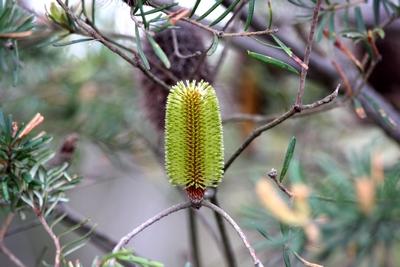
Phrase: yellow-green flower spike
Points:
(194, 154)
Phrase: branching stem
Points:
(184, 205)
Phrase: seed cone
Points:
(193, 138)
(155, 97)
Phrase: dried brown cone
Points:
(189, 42)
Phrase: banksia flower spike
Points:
(193, 138)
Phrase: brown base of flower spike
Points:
(196, 195)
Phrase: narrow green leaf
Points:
(73, 228)
(50, 208)
(263, 232)
(332, 25)
(4, 187)
(380, 32)
(288, 158)
(273, 61)
(145, 262)
(74, 248)
(196, 5)
(159, 52)
(286, 257)
(213, 46)
(27, 177)
(157, 9)
(2, 120)
(77, 241)
(140, 49)
(73, 42)
(250, 14)
(56, 221)
(27, 200)
(285, 48)
(210, 10)
(296, 172)
(359, 19)
(346, 20)
(285, 229)
(355, 35)
(320, 29)
(226, 12)
(146, 25)
(270, 14)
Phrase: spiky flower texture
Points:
(193, 138)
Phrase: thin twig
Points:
(294, 109)
(307, 53)
(176, 47)
(237, 228)
(56, 241)
(3, 248)
(343, 76)
(124, 240)
(273, 174)
(257, 132)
